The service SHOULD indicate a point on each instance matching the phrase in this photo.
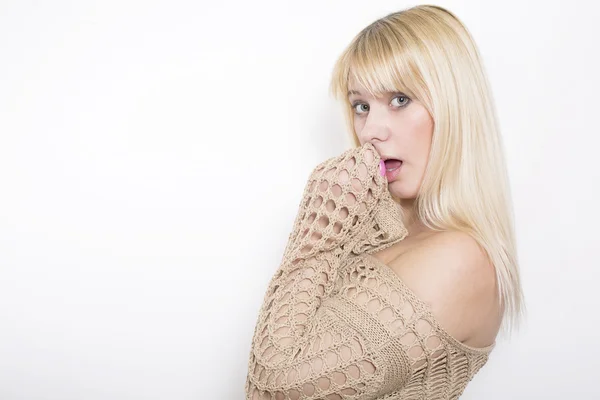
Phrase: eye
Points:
(406, 100)
(359, 105)
(365, 107)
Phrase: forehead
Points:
(353, 84)
(356, 88)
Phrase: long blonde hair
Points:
(428, 54)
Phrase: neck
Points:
(411, 222)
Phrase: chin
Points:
(398, 194)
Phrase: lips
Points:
(392, 168)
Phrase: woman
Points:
(401, 267)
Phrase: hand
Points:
(341, 195)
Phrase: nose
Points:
(376, 128)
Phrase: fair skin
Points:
(448, 270)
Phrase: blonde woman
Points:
(401, 268)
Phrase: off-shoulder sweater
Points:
(336, 322)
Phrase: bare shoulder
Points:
(452, 273)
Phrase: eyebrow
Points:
(351, 92)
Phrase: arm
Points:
(296, 349)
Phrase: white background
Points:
(152, 159)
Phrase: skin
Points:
(399, 127)
(448, 270)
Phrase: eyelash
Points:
(402, 95)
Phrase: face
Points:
(399, 128)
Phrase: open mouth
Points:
(392, 164)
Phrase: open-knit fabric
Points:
(336, 322)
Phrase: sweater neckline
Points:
(465, 347)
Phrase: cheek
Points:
(421, 138)
(358, 127)
(417, 147)
(424, 146)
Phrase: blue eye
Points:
(358, 104)
(407, 100)
(404, 103)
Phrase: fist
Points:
(341, 194)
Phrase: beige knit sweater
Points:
(336, 323)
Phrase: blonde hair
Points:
(428, 54)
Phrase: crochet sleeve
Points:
(300, 349)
